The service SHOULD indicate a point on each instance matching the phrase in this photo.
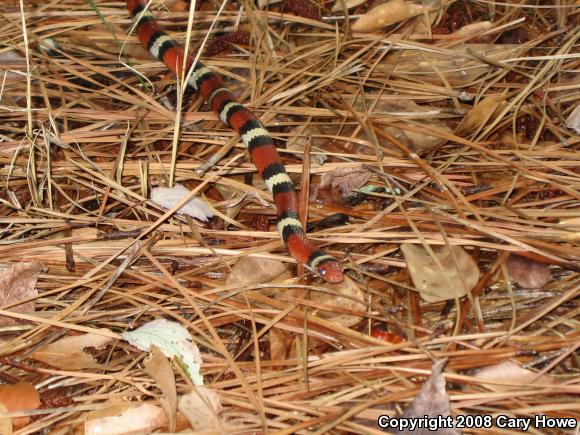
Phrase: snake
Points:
(253, 133)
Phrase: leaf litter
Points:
(452, 124)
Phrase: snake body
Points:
(260, 144)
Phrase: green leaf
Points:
(174, 341)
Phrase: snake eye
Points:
(322, 272)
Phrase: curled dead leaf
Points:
(484, 110)
(473, 29)
(385, 14)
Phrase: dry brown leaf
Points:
(159, 368)
(345, 180)
(383, 15)
(19, 397)
(457, 275)
(252, 270)
(68, 352)
(528, 273)
(281, 343)
(510, 372)
(202, 407)
(483, 111)
(17, 283)
(456, 69)
(345, 295)
(431, 401)
(418, 142)
(125, 419)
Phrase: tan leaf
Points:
(528, 273)
(252, 270)
(510, 372)
(159, 368)
(68, 353)
(125, 419)
(202, 407)
(450, 274)
(484, 110)
(17, 283)
(19, 397)
(385, 14)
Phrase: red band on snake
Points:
(259, 142)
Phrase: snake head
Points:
(330, 271)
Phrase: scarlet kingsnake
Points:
(259, 142)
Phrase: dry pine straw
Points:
(84, 138)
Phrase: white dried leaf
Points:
(573, 121)
(173, 340)
(168, 197)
